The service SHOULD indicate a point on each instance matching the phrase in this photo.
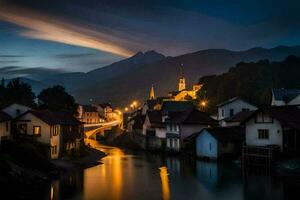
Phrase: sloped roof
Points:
(177, 106)
(199, 117)
(285, 94)
(53, 118)
(226, 134)
(287, 115)
(240, 117)
(152, 103)
(4, 117)
(190, 117)
(228, 101)
(89, 108)
(155, 118)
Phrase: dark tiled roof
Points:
(104, 105)
(228, 101)
(155, 118)
(240, 117)
(177, 106)
(285, 94)
(53, 118)
(4, 117)
(287, 115)
(190, 117)
(151, 103)
(199, 117)
(226, 134)
(89, 108)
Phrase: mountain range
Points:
(131, 78)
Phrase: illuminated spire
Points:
(181, 84)
(152, 95)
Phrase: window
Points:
(36, 130)
(22, 128)
(245, 109)
(54, 150)
(55, 131)
(222, 112)
(209, 146)
(263, 134)
(231, 112)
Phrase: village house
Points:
(275, 128)
(5, 127)
(215, 143)
(89, 114)
(231, 107)
(282, 97)
(182, 119)
(154, 130)
(60, 130)
(105, 110)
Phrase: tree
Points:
(57, 99)
(18, 92)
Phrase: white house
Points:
(15, 110)
(232, 107)
(154, 129)
(5, 124)
(282, 97)
(278, 125)
(61, 131)
(216, 142)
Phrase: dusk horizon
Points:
(149, 99)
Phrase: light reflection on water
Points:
(130, 176)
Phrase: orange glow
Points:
(164, 183)
(41, 27)
(126, 109)
(203, 103)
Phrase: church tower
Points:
(181, 84)
(152, 95)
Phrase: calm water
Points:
(138, 176)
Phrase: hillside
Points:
(252, 81)
(135, 81)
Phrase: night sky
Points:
(80, 35)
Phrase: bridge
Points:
(92, 129)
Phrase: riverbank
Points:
(25, 171)
(92, 158)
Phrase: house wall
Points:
(206, 145)
(5, 130)
(160, 132)
(146, 125)
(275, 133)
(15, 110)
(237, 107)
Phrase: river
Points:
(140, 176)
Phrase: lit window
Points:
(36, 130)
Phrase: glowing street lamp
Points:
(126, 109)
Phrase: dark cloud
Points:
(11, 56)
(38, 73)
(75, 55)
